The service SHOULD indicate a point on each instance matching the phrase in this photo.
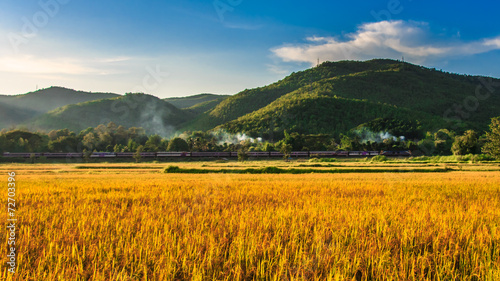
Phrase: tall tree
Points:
(492, 145)
(465, 144)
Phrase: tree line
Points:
(114, 138)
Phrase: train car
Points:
(276, 154)
(396, 153)
(210, 154)
(103, 155)
(63, 155)
(148, 154)
(299, 154)
(404, 153)
(173, 154)
(125, 154)
(342, 153)
(363, 153)
(259, 154)
(21, 154)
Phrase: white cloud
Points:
(385, 39)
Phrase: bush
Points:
(242, 155)
(271, 170)
(172, 169)
(379, 158)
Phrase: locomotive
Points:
(181, 154)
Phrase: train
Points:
(182, 154)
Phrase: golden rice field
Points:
(141, 224)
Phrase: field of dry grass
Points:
(133, 222)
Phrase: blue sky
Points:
(179, 48)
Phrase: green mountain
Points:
(20, 108)
(196, 100)
(156, 116)
(337, 96)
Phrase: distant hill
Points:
(10, 116)
(196, 100)
(337, 96)
(156, 116)
(26, 106)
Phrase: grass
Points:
(350, 226)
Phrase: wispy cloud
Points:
(388, 39)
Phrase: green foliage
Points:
(153, 144)
(172, 169)
(178, 144)
(286, 149)
(379, 158)
(63, 144)
(22, 141)
(492, 145)
(242, 155)
(466, 144)
(137, 154)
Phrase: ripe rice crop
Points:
(352, 226)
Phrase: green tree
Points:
(242, 155)
(346, 143)
(268, 147)
(178, 144)
(286, 149)
(153, 143)
(443, 141)
(90, 141)
(64, 144)
(465, 144)
(86, 155)
(492, 145)
(137, 154)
